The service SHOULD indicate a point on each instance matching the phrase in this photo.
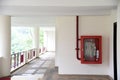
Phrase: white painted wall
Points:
(118, 40)
(5, 44)
(50, 40)
(66, 43)
(0, 67)
(33, 21)
(111, 64)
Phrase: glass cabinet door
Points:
(91, 48)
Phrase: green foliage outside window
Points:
(21, 38)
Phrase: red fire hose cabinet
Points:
(91, 49)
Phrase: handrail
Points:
(17, 60)
(21, 58)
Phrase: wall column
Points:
(45, 39)
(50, 41)
(36, 40)
(118, 40)
(5, 44)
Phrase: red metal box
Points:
(91, 49)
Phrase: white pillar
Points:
(118, 40)
(5, 44)
(36, 40)
(45, 44)
(51, 41)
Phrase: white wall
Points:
(118, 40)
(50, 40)
(0, 67)
(33, 21)
(111, 63)
(66, 43)
(5, 43)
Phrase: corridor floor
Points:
(35, 69)
(43, 69)
(52, 74)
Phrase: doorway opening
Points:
(47, 43)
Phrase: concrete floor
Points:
(43, 69)
(52, 74)
(35, 69)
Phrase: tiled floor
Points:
(43, 69)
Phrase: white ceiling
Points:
(43, 12)
(73, 3)
(56, 7)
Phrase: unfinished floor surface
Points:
(44, 69)
(52, 74)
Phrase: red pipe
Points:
(77, 37)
